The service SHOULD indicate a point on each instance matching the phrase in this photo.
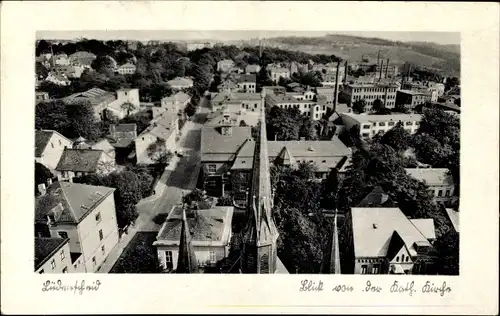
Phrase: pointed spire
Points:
(187, 262)
(335, 255)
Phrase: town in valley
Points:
(287, 155)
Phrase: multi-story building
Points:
(370, 125)
(122, 135)
(247, 83)
(410, 98)
(126, 69)
(83, 213)
(307, 107)
(328, 93)
(371, 92)
(49, 147)
(235, 102)
(52, 255)
(210, 237)
(439, 181)
(176, 103)
(277, 72)
(385, 241)
(164, 131)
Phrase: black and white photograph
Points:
(247, 152)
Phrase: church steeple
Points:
(186, 262)
(335, 255)
(259, 240)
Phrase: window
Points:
(103, 250)
(365, 134)
(447, 193)
(62, 234)
(407, 258)
(168, 259)
(324, 161)
(74, 266)
(213, 258)
(94, 262)
(63, 256)
(212, 168)
(366, 126)
(381, 124)
(363, 269)
(60, 142)
(53, 264)
(65, 270)
(417, 123)
(41, 271)
(440, 193)
(375, 269)
(408, 123)
(397, 259)
(391, 124)
(98, 217)
(101, 235)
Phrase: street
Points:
(180, 176)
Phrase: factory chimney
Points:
(345, 72)
(336, 95)
(378, 57)
(380, 73)
(387, 68)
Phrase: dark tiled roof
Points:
(45, 249)
(96, 96)
(247, 78)
(377, 198)
(213, 142)
(79, 160)
(71, 202)
(131, 127)
(41, 140)
(204, 225)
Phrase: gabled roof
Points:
(214, 143)
(395, 245)
(42, 138)
(72, 202)
(431, 176)
(79, 160)
(285, 157)
(377, 198)
(96, 96)
(247, 78)
(45, 248)
(373, 229)
(129, 127)
(425, 226)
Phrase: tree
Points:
(42, 174)
(282, 124)
(358, 106)
(196, 195)
(379, 107)
(82, 120)
(225, 201)
(397, 137)
(308, 129)
(128, 107)
(190, 109)
(104, 64)
(159, 153)
(448, 249)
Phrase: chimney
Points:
(49, 182)
(387, 68)
(346, 71)
(336, 95)
(378, 57)
(381, 66)
(42, 189)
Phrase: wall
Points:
(53, 151)
(202, 254)
(61, 262)
(369, 262)
(88, 230)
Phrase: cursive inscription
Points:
(311, 286)
(372, 288)
(407, 287)
(78, 287)
(343, 288)
(429, 287)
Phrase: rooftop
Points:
(180, 82)
(377, 198)
(454, 217)
(70, 202)
(431, 176)
(45, 248)
(79, 160)
(128, 127)
(286, 98)
(206, 226)
(214, 145)
(247, 78)
(96, 96)
(365, 118)
(373, 229)
(42, 138)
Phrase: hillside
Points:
(445, 58)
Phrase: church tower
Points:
(259, 254)
(186, 262)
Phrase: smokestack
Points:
(346, 71)
(378, 57)
(387, 68)
(380, 73)
(336, 96)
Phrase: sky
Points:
(443, 38)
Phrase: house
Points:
(307, 107)
(83, 213)
(277, 72)
(252, 69)
(60, 80)
(247, 83)
(277, 90)
(180, 83)
(122, 135)
(219, 146)
(370, 125)
(439, 181)
(49, 147)
(52, 255)
(69, 71)
(370, 92)
(126, 69)
(210, 237)
(224, 117)
(175, 103)
(235, 102)
(410, 98)
(225, 65)
(324, 154)
(79, 162)
(41, 96)
(385, 241)
(83, 59)
(60, 59)
(163, 130)
(102, 144)
(228, 86)
(122, 103)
